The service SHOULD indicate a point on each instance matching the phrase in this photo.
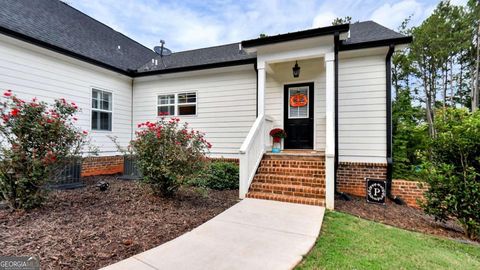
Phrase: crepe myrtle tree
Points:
(168, 153)
(35, 137)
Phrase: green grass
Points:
(348, 242)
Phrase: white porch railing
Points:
(251, 152)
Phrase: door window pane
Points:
(298, 103)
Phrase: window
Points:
(177, 104)
(101, 110)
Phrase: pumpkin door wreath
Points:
(298, 100)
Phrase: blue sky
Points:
(194, 24)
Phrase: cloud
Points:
(392, 15)
(324, 19)
(191, 24)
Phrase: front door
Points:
(298, 116)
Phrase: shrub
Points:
(168, 154)
(218, 175)
(36, 137)
(453, 172)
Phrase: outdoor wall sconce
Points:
(296, 70)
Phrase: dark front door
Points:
(298, 116)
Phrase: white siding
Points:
(311, 71)
(362, 112)
(30, 71)
(226, 104)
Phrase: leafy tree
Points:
(340, 20)
(453, 170)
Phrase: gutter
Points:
(336, 39)
(376, 43)
(197, 67)
(388, 65)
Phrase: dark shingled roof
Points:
(369, 31)
(360, 33)
(60, 25)
(57, 26)
(198, 57)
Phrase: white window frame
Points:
(101, 110)
(176, 104)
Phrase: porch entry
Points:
(298, 115)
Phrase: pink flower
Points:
(34, 99)
(75, 118)
(85, 132)
(7, 93)
(14, 112)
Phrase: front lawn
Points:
(348, 242)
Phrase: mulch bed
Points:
(401, 216)
(87, 229)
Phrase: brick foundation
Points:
(351, 176)
(409, 191)
(351, 180)
(102, 165)
(232, 160)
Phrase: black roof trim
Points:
(60, 50)
(330, 30)
(197, 67)
(376, 43)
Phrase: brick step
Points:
(304, 157)
(289, 180)
(291, 190)
(299, 164)
(293, 171)
(286, 198)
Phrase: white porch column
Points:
(330, 130)
(261, 88)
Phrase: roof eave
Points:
(197, 67)
(330, 30)
(376, 43)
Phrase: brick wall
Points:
(102, 165)
(409, 191)
(351, 180)
(222, 159)
(351, 176)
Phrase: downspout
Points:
(336, 41)
(131, 114)
(388, 65)
(256, 89)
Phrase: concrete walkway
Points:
(253, 234)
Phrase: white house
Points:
(235, 93)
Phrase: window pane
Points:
(187, 98)
(187, 110)
(297, 109)
(105, 105)
(106, 101)
(105, 121)
(94, 103)
(166, 110)
(94, 120)
(95, 94)
(166, 99)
